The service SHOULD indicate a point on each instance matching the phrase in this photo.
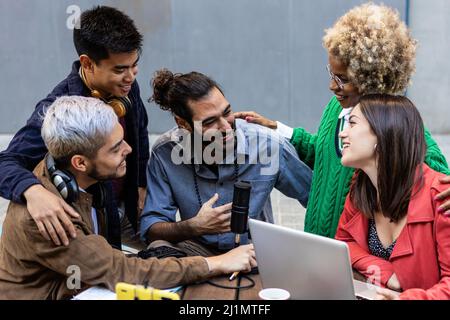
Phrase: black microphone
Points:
(239, 209)
(239, 213)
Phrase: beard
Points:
(220, 143)
(213, 140)
(94, 174)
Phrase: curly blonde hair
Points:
(376, 46)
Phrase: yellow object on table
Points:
(125, 291)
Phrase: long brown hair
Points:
(400, 153)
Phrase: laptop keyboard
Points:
(161, 252)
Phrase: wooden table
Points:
(206, 291)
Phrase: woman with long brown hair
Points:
(390, 221)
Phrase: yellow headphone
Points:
(119, 105)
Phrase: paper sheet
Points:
(96, 293)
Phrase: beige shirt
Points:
(32, 267)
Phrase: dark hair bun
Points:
(161, 84)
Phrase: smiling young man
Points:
(193, 168)
(85, 147)
(108, 45)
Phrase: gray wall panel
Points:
(430, 24)
(266, 54)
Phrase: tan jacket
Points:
(32, 267)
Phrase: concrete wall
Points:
(267, 54)
(430, 91)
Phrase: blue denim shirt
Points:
(171, 186)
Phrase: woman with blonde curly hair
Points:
(370, 50)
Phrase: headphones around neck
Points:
(120, 105)
(63, 180)
(68, 188)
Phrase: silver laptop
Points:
(310, 267)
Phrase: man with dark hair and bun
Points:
(193, 168)
(108, 45)
(85, 142)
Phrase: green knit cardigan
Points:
(331, 180)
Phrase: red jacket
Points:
(421, 256)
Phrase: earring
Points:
(375, 146)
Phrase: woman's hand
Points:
(253, 117)
(445, 207)
(393, 283)
(384, 294)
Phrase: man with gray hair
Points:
(86, 146)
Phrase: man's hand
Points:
(384, 294)
(239, 259)
(445, 207)
(50, 214)
(211, 220)
(141, 201)
(393, 283)
(253, 117)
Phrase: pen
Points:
(237, 241)
(234, 275)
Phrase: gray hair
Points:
(77, 125)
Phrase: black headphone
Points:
(68, 188)
(63, 180)
(120, 105)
